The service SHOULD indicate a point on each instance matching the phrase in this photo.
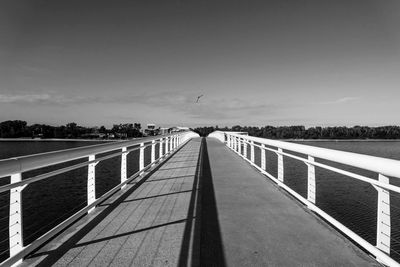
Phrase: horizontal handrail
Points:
(45, 237)
(69, 168)
(389, 167)
(327, 167)
(381, 255)
(340, 171)
(384, 167)
(15, 167)
(36, 161)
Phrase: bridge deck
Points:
(223, 213)
(261, 225)
(148, 225)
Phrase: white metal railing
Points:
(385, 168)
(14, 167)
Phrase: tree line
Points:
(20, 129)
(301, 132)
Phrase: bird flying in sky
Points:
(198, 98)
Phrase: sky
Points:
(312, 63)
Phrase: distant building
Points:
(178, 129)
(164, 131)
(151, 130)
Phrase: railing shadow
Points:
(53, 255)
(211, 246)
(201, 243)
(207, 249)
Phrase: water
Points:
(48, 202)
(9, 149)
(350, 201)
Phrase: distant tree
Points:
(237, 128)
(72, 130)
(126, 130)
(47, 131)
(102, 129)
(18, 128)
(312, 133)
(60, 132)
(13, 129)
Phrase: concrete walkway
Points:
(260, 225)
(146, 225)
(214, 210)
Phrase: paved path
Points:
(214, 210)
(262, 226)
(150, 225)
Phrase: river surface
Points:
(350, 201)
(48, 202)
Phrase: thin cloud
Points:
(342, 100)
(178, 102)
(41, 99)
(209, 108)
(160, 99)
(225, 109)
(24, 98)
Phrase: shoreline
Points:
(118, 140)
(57, 140)
(340, 140)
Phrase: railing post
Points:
(124, 175)
(166, 145)
(252, 151)
(15, 220)
(245, 149)
(240, 146)
(235, 143)
(280, 165)
(160, 151)
(171, 143)
(311, 181)
(383, 220)
(153, 151)
(263, 157)
(91, 182)
(229, 141)
(141, 157)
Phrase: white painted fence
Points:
(384, 168)
(14, 168)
